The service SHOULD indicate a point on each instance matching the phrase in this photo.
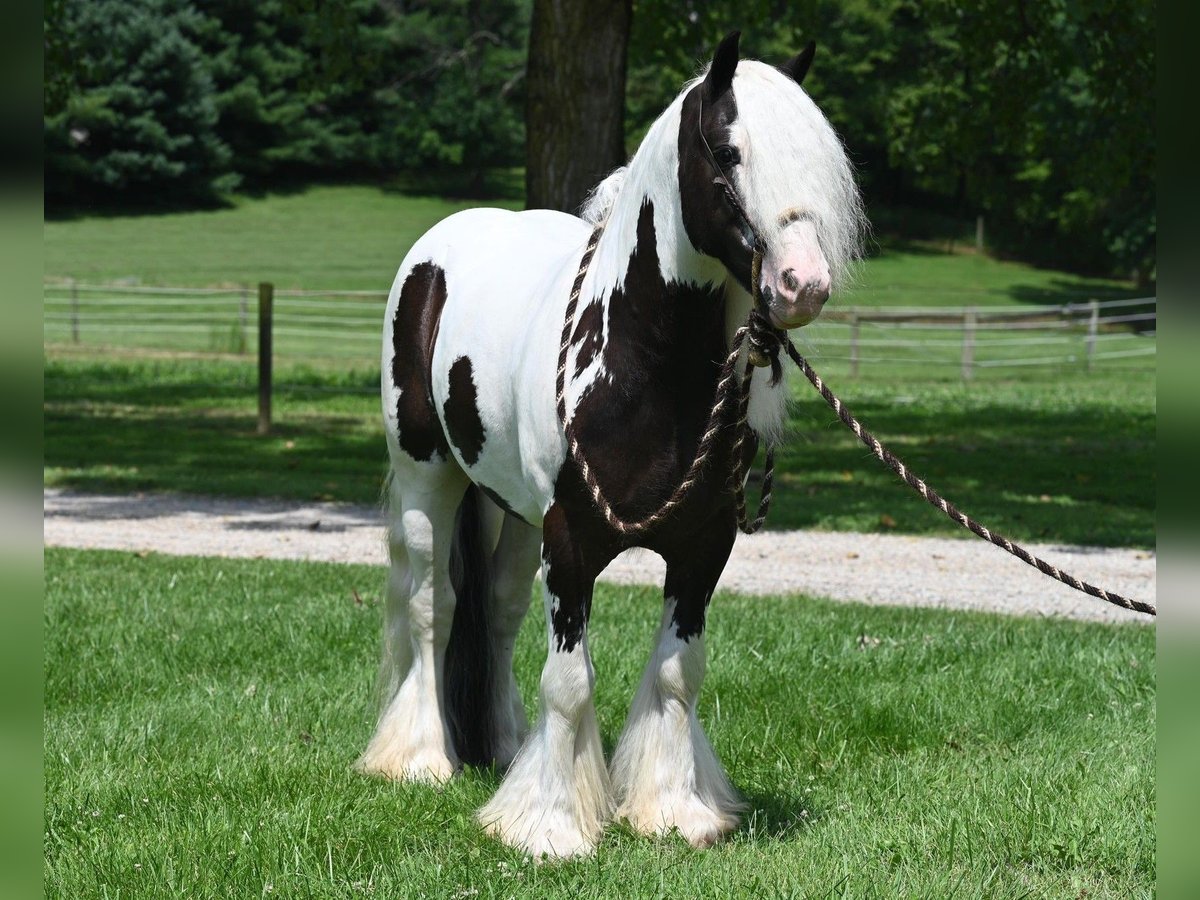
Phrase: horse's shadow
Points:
(777, 816)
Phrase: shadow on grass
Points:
(1034, 474)
(1061, 291)
(1078, 471)
(778, 816)
(214, 454)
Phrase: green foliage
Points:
(1038, 115)
(273, 92)
(454, 97)
(132, 107)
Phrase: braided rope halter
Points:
(726, 382)
(765, 343)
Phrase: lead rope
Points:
(936, 500)
(765, 343)
(725, 383)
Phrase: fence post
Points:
(266, 303)
(1093, 327)
(854, 345)
(979, 233)
(74, 313)
(243, 306)
(968, 344)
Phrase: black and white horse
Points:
(483, 487)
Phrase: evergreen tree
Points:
(138, 122)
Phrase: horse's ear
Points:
(797, 67)
(724, 64)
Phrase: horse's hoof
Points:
(429, 767)
(697, 823)
(547, 840)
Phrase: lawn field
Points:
(201, 717)
(353, 238)
(329, 239)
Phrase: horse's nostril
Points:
(788, 277)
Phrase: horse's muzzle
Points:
(795, 279)
(795, 304)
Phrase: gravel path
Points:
(871, 568)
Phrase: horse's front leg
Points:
(665, 773)
(556, 799)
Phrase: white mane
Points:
(600, 199)
(792, 159)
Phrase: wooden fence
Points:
(345, 328)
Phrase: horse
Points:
(484, 489)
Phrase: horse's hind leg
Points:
(514, 565)
(412, 741)
(665, 772)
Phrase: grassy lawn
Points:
(353, 237)
(1065, 459)
(201, 717)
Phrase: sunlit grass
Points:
(201, 717)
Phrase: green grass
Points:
(201, 717)
(353, 237)
(1065, 459)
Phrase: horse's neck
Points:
(655, 288)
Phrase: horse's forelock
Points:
(794, 160)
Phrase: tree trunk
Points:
(575, 85)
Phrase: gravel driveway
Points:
(870, 568)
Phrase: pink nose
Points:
(796, 301)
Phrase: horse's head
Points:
(759, 165)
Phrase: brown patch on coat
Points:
(461, 410)
(414, 333)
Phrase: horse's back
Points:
(470, 348)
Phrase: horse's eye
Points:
(726, 156)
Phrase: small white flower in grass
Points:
(120, 815)
(96, 812)
(137, 865)
(145, 799)
(268, 888)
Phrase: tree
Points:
(575, 84)
(1042, 115)
(132, 106)
(451, 90)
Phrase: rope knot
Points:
(765, 343)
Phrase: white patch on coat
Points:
(665, 773)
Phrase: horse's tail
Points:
(469, 665)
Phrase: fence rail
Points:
(345, 327)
